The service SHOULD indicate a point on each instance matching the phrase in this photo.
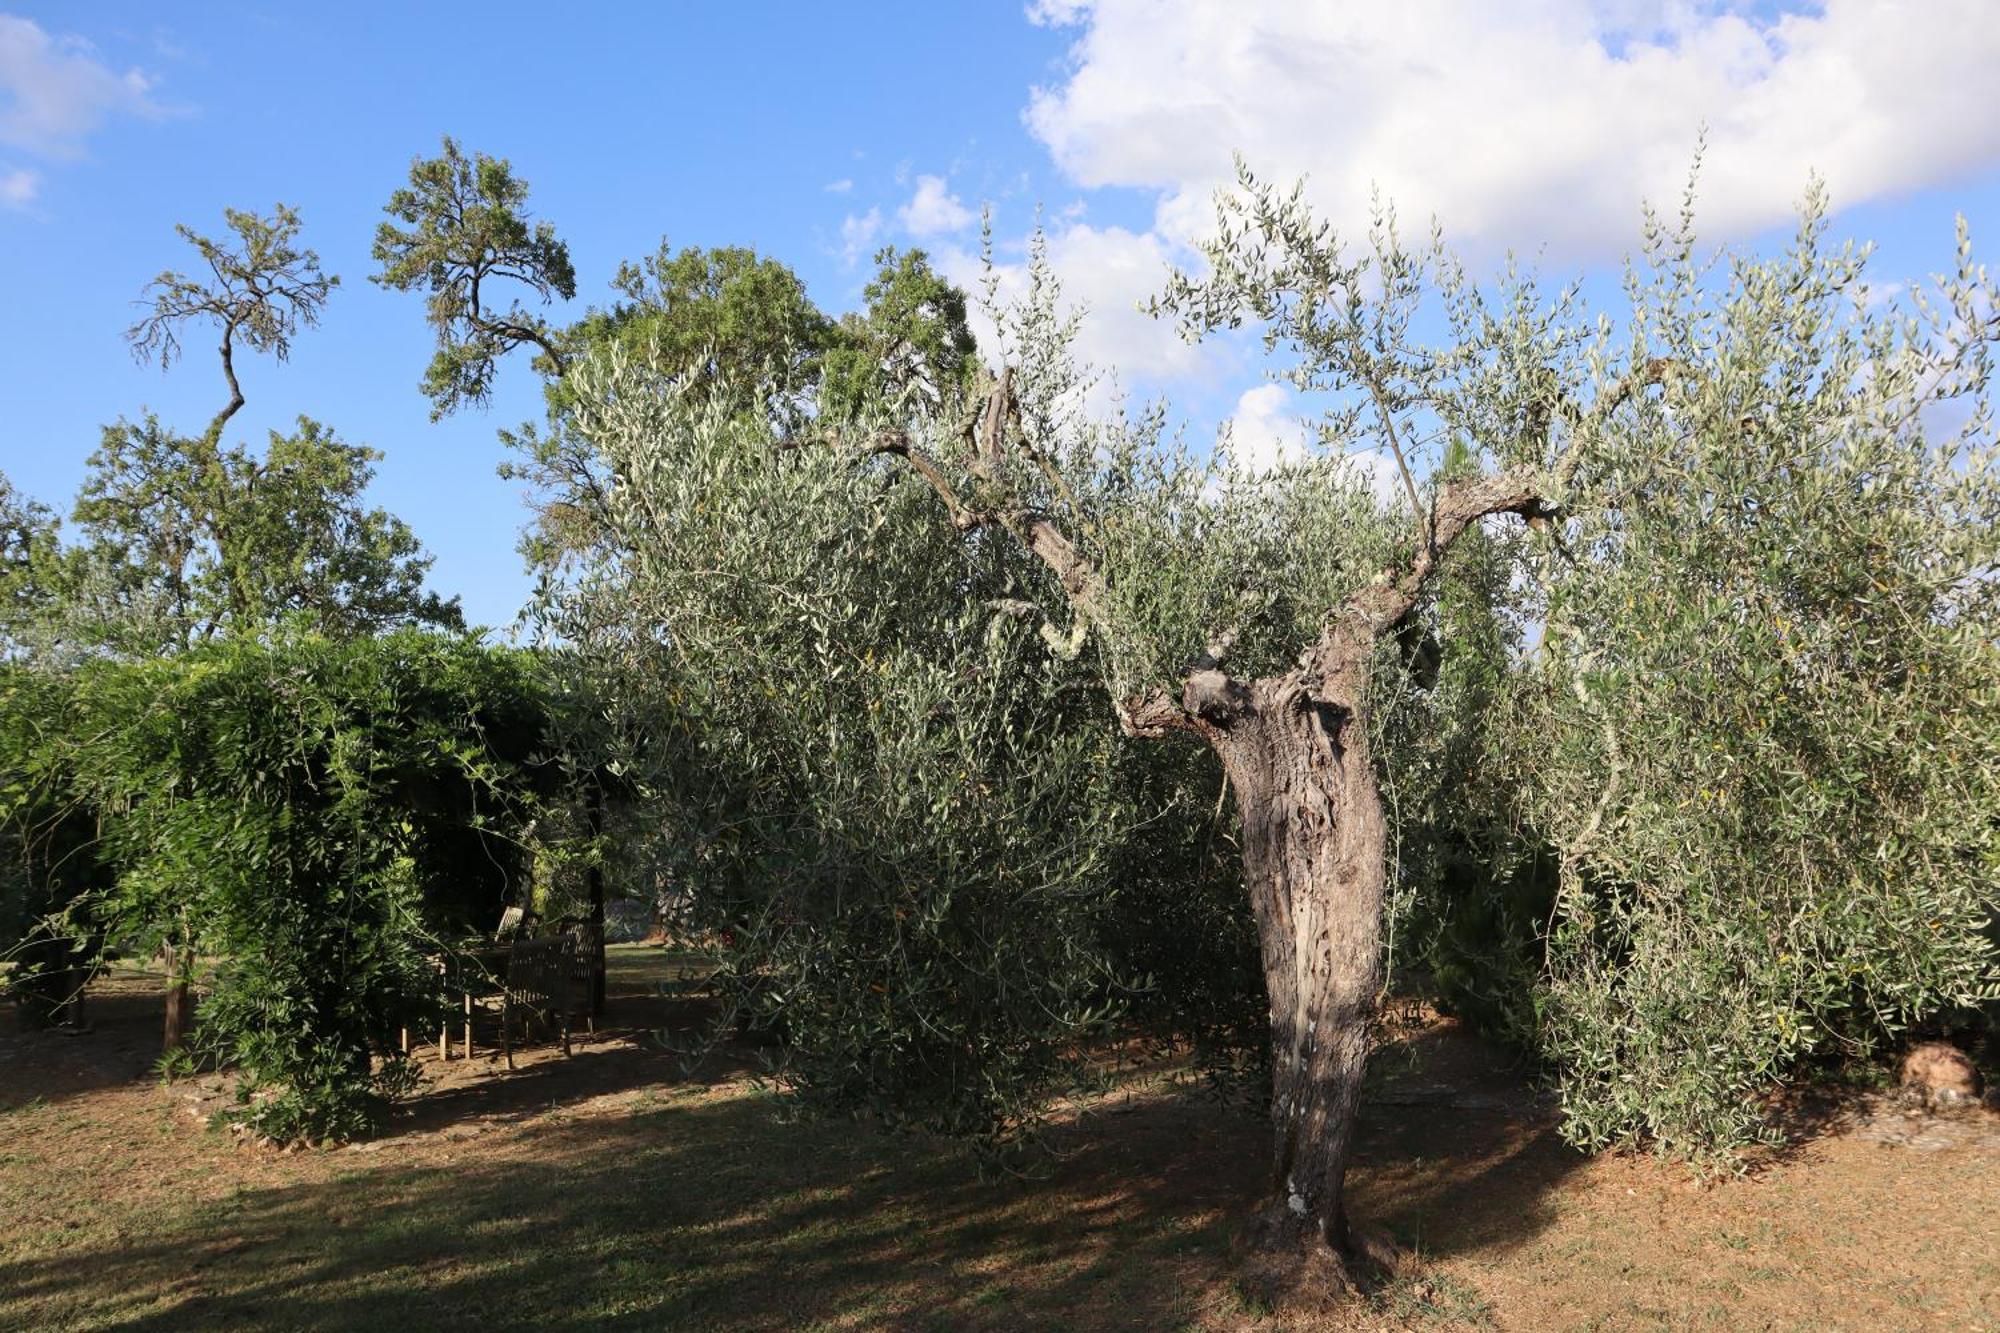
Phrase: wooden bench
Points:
(548, 980)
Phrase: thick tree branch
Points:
(1339, 660)
(235, 402)
(1341, 652)
(1152, 712)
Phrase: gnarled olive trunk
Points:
(1295, 747)
(1314, 839)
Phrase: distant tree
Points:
(464, 230)
(261, 293)
(30, 537)
(184, 536)
(729, 319)
(910, 343)
(181, 537)
(178, 542)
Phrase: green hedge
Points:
(315, 820)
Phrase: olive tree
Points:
(898, 813)
(1251, 610)
(804, 608)
(1662, 482)
(1762, 726)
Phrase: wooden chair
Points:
(510, 924)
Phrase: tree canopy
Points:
(180, 538)
(1759, 547)
(464, 230)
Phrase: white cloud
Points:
(1057, 13)
(1264, 435)
(933, 210)
(19, 187)
(857, 234)
(1105, 272)
(1524, 125)
(55, 91)
(841, 186)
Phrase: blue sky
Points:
(813, 132)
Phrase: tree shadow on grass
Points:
(119, 1042)
(703, 1207)
(1456, 1151)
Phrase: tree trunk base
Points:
(179, 1017)
(1284, 1263)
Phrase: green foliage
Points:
(902, 817)
(465, 227)
(909, 346)
(180, 541)
(29, 540)
(259, 292)
(1748, 769)
(50, 857)
(736, 323)
(739, 328)
(1763, 728)
(1177, 928)
(1691, 783)
(317, 819)
(1473, 885)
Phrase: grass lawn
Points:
(610, 1190)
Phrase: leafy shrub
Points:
(901, 808)
(1764, 730)
(319, 819)
(50, 857)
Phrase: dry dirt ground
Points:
(611, 1189)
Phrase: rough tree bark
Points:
(1314, 849)
(1295, 749)
(179, 1016)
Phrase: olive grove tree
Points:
(1763, 443)
(1762, 733)
(1249, 610)
(1715, 582)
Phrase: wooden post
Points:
(468, 1025)
(180, 1000)
(596, 880)
(444, 1020)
